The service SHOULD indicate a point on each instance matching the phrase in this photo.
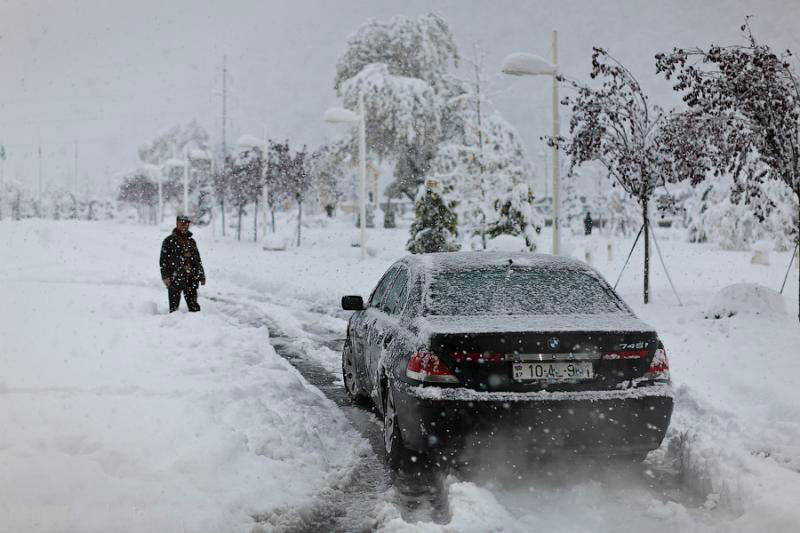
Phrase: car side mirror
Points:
(352, 303)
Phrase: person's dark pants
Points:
(189, 291)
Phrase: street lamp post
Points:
(522, 64)
(338, 115)
(159, 172)
(186, 182)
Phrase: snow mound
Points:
(507, 243)
(746, 299)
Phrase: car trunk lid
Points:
(484, 352)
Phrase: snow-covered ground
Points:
(117, 416)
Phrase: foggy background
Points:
(106, 76)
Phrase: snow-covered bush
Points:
(713, 215)
(514, 215)
(435, 228)
(572, 206)
(620, 212)
(746, 299)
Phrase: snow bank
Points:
(746, 299)
(117, 416)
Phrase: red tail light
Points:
(429, 368)
(659, 367)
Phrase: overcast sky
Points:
(110, 75)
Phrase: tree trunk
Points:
(798, 256)
(239, 225)
(255, 221)
(646, 252)
(299, 220)
(483, 229)
(222, 213)
(272, 214)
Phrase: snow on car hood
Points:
(609, 322)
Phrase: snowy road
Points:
(117, 416)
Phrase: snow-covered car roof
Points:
(460, 261)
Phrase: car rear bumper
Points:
(601, 422)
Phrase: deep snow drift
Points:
(117, 416)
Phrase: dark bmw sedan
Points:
(465, 349)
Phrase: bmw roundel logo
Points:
(553, 343)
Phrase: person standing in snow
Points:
(587, 224)
(181, 267)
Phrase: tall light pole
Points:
(40, 170)
(338, 115)
(523, 64)
(2, 178)
(159, 172)
(186, 181)
(265, 190)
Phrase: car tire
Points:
(398, 456)
(350, 377)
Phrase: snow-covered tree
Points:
(745, 103)
(328, 171)
(514, 215)
(401, 68)
(402, 121)
(481, 158)
(299, 182)
(137, 189)
(615, 124)
(428, 123)
(572, 207)
(713, 215)
(623, 217)
(781, 220)
(173, 143)
(423, 48)
(279, 165)
(244, 176)
(435, 226)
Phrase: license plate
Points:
(555, 371)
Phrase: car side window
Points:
(377, 295)
(395, 298)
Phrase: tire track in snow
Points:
(352, 505)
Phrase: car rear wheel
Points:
(398, 455)
(351, 384)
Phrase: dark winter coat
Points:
(180, 259)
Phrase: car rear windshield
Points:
(520, 292)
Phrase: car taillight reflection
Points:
(427, 367)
